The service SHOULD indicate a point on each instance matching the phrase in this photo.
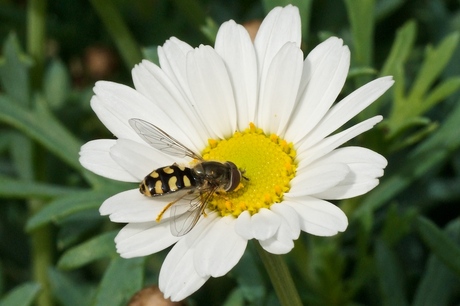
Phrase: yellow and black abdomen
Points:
(167, 180)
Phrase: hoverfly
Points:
(199, 182)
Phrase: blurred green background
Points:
(402, 244)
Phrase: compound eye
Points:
(235, 177)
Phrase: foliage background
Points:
(402, 245)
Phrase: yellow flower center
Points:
(268, 163)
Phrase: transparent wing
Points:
(160, 140)
(186, 215)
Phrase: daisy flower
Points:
(260, 105)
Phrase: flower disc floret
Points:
(268, 165)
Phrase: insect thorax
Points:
(167, 180)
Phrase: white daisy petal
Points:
(212, 91)
(318, 217)
(172, 56)
(178, 277)
(95, 156)
(317, 178)
(261, 225)
(115, 104)
(307, 155)
(220, 249)
(132, 206)
(243, 225)
(235, 47)
(349, 107)
(282, 241)
(289, 217)
(280, 26)
(365, 167)
(278, 90)
(328, 74)
(154, 84)
(136, 158)
(141, 239)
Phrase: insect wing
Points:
(160, 140)
(186, 215)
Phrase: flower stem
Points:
(280, 277)
(36, 31)
(41, 239)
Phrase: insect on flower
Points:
(197, 184)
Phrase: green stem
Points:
(280, 277)
(36, 31)
(120, 33)
(41, 241)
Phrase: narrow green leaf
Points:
(402, 46)
(56, 84)
(235, 298)
(119, 31)
(21, 153)
(14, 71)
(385, 8)
(361, 16)
(441, 245)
(122, 279)
(98, 247)
(64, 206)
(441, 92)
(23, 189)
(390, 275)
(434, 63)
(23, 295)
(209, 29)
(433, 151)
(439, 284)
(43, 127)
(69, 291)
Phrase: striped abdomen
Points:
(167, 180)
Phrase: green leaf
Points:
(433, 152)
(390, 274)
(421, 96)
(361, 16)
(439, 284)
(401, 48)
(442, 246)
(441, 92)
(98, 247)
(119, 31)
(435, 61)
(385, 8)
(122, 279)
(69, 291)
(43, 127)
(64, 206)
(56, 84)
(24, 189)
(14, 71)
(23, 295)
(21, 154)
(209, 29)
(235, 298)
